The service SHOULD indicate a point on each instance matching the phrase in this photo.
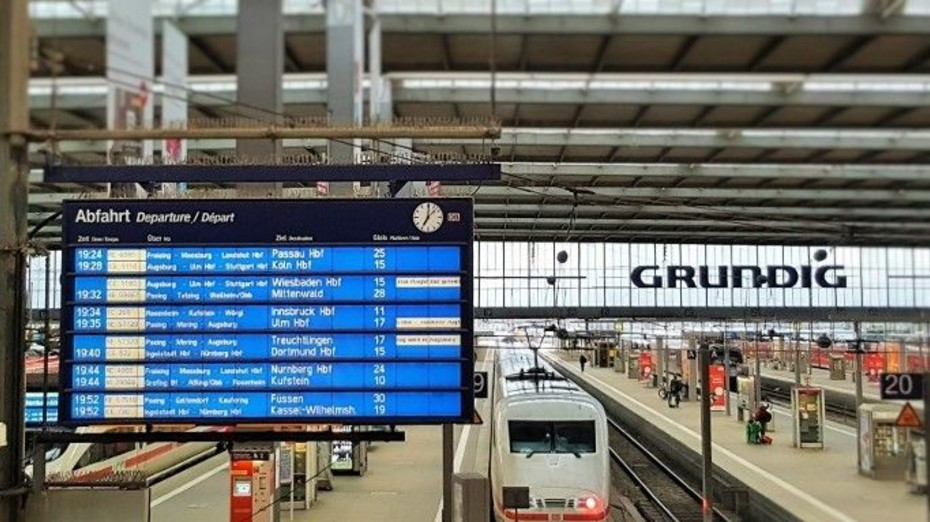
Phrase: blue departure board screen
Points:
(258, 311)
(39, 411)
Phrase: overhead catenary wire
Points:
(274, 115)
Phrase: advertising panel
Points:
(717, 388)
(646, 368)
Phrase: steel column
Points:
(259, 74)
(707, 475)
(14, 117)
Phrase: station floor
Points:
(403, 482)
(814, 484)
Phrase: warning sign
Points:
(908, 417)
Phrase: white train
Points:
(551, 436)
(83, 462)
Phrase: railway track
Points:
(660, 494)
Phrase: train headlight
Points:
(589, 502)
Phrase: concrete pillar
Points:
(379, 97)
(14, 171)
(380, 102)
(345, 35)
(259, 77)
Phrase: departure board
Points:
(281, 311)
(40, 412)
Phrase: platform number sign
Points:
(902, 386)
(481, 385)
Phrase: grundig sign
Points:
(771, 276)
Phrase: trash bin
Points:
(837, 368)
(619, 363)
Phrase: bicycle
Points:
(663, 390)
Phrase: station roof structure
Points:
(717, 121)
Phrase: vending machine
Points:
(252, 483)
(298, 489)
(809, 415)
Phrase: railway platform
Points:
(840, 395)
(821, 379)
(403, 482)
(811, 484)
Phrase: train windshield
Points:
(574, 437)
(531, 437)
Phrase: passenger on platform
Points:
(583, 360)
(753, 430)
(763, 416)
(674, 391)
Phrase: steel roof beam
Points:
(716, 313)
(787, 227)
(717, 170)
(73, 101)
(892, 139)
(663, 96)
(775, 214)
(666, 95)
(657, 194)
(725, 212)
(562, 223)
(691, 236)
(665, 138)
(540, 23)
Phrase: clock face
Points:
(427, 217)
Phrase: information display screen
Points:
(243, 311)
(38, 411)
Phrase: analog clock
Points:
(427, 217)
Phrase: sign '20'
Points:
(902, 386)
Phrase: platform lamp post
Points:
(797, 353)
(926, 386)
(757, 381)
(857, 345)
(707, 476)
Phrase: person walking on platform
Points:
(763, 416)
(583, 360)
(674, 391)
